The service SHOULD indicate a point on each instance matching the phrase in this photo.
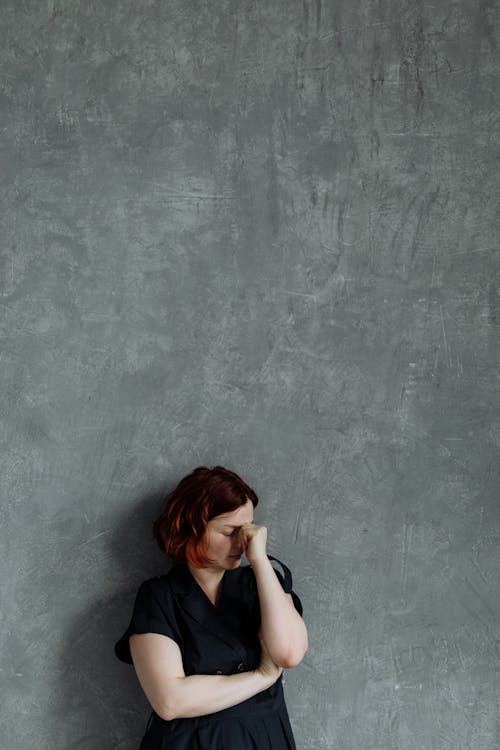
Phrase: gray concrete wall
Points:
(262, 235)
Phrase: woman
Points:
(210, 639)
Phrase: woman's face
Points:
(224, 546)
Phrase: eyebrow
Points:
(234, 527)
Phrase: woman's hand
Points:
(267, 667)
(254, 539)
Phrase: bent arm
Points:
(282, 628)
(158, 664)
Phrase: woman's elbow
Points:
(293, 658)
(169, 708)
(166, 710)
(166, 713)
(171, 711)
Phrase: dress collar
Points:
(184, 583)
(196, 603)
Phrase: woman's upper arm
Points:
(158, 664)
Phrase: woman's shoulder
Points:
(152, 612)
(245, 577)
(245, 573)
(158, 587)
(248, 575)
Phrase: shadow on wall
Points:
(99, 702)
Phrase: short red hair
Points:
(198, 497)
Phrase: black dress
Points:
(212, 640)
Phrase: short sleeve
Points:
(286, 583)
(152, 613)
(288, 590)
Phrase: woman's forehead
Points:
(241, 515)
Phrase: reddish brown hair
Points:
(199, 497)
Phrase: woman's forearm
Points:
(200, 694)
(282, 628)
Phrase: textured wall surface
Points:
(263, 235)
